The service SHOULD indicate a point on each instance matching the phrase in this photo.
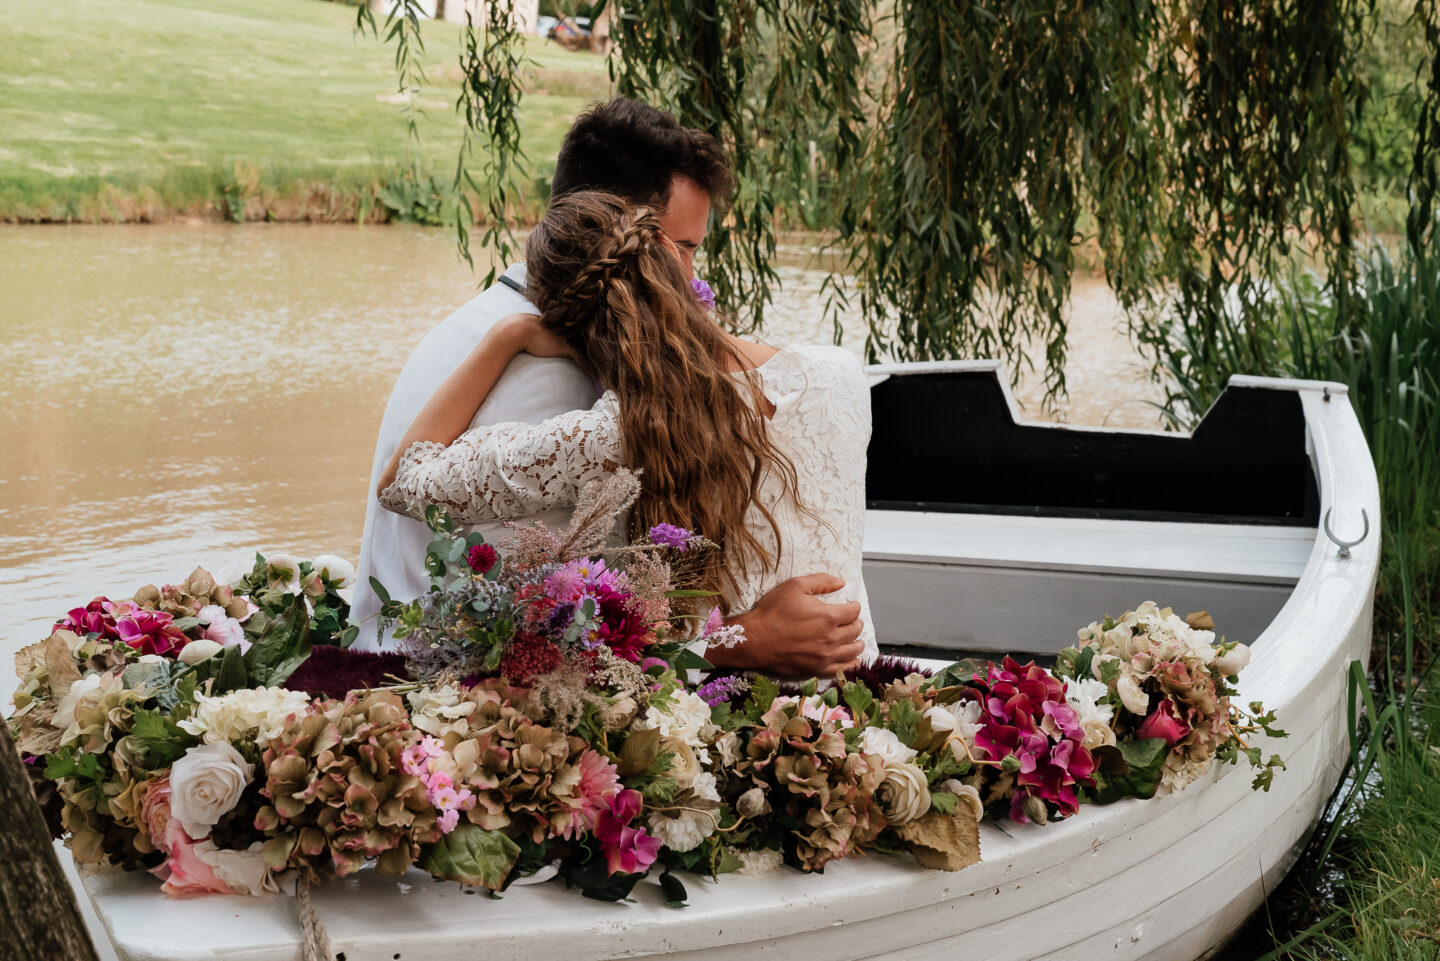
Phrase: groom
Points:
(644, 155)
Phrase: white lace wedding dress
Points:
(821, 421)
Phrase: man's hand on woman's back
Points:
(792, 633)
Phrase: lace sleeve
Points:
(499, 472)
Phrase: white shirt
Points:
(531, 390)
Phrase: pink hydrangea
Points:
(416, 759)
(149, 632)
(1025, 716)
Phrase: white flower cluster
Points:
(255, 714)
(440, 711)
(684, 718)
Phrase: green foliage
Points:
(594, 880)
(472, 855)
(281, 647)
(960, 152)
(160, 740)
(1128, 769)
(418, 199)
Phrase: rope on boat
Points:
(315, 944)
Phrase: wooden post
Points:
(38, 914)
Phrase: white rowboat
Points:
(1227, 519)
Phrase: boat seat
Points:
(959, 583)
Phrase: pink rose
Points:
(223, 629)
(185, 873)
(155, 813)
(1163, 723)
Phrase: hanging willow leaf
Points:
(961, 153)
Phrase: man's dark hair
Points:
(629, 148)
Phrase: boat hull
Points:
(1168, 878)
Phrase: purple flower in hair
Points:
(703, 293)
(668, 535)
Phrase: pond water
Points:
(185, 395)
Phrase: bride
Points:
(760, 450)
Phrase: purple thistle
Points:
(668, 535)
(703, 293)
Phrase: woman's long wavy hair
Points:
(604, 281)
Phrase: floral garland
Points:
(541, 713)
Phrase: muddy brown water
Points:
(182, 395)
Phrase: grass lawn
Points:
(142, 109)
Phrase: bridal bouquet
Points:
(542, 717)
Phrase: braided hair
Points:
(598, 270)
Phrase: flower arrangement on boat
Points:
(543, 715)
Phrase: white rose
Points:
(685, 717)
(1135, 700)
(968, 795)
(1233, 661)
(336, 568)
(201, 650)
(685, 765)
(245, 872)
(877, 740)
(1098, 734)
(65, 710)
(205, 784)
(903, 795)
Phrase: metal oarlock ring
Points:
(1346, 545)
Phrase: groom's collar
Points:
(514, 278)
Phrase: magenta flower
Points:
(622, 628)
(1026, 717)
(93, 618)
(481, 558)
(627, 850)
(703, 293)
(149, 632)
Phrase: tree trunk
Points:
(37, 908)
